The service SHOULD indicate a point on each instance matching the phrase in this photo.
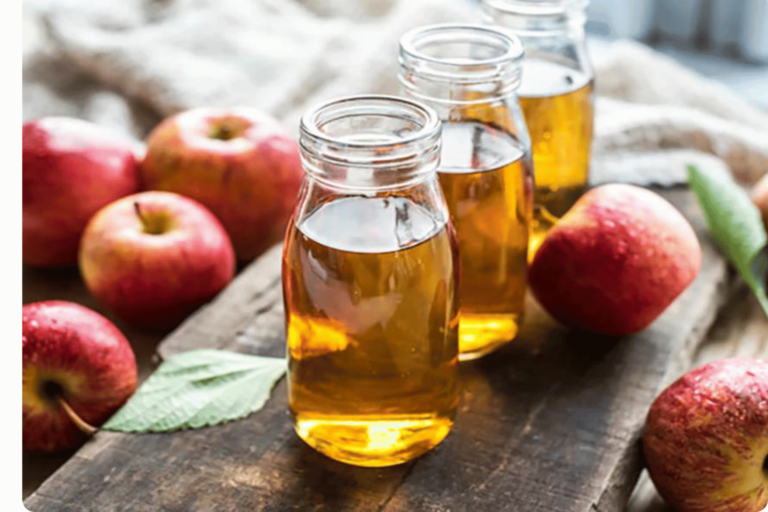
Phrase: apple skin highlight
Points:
(156, 267)
(706, 438)
(71, 169)
(615, 261)
(81, 355)
(240, 163)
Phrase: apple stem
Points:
(137, 209)
(222, 132)
(87, 428)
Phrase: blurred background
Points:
(723, 39)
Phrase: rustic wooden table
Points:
(740, 329)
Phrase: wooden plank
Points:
(550, 422)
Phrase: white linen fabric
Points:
(129, 63)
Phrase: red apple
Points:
(239, 163)
(71, 169)
(706, 438)
(77, 369)
(615, 261)
(153, 258)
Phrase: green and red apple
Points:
(616, 260)
(240, 163)
(706, 438)
(154, 257)
(77, 370)
(71, 169)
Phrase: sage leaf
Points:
(197, 389)
(735, 225)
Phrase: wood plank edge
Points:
(251, 284)
(625, 475)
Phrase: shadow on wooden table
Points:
(544, 400)
(329, 482)
(646, 499)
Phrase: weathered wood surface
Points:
(550, 422)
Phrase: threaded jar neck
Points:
(370, 142)
(532, 17)
(460, 64)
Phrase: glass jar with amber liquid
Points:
(370, 283)
(557, 98)
(468, 74)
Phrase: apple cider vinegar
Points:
(469, 74)
(558, 105)
(370, 285)
(485, 179)
(556, 95)
(372, 364)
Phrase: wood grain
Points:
(551, 422)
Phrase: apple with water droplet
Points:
(706, 438)
(616, 260)
(77, 369)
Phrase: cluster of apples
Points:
(612, 265)
(156, 233)
(217, 184)
(706, 435)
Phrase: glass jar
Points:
(370, 277)
(468, 74)
(557, 99)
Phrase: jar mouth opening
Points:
(537, 8)
(370, 122)
(370, 141)
(461, 53)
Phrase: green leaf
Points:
(199, 389)
(735, 225)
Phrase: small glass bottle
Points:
(468, 74)
(557, 95)
(370, 283)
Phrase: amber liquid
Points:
(486, 183)
(557, 102)
(372, 323)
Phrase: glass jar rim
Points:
(368, 105)
(537, 8)
(505, 66)
(374, 132)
